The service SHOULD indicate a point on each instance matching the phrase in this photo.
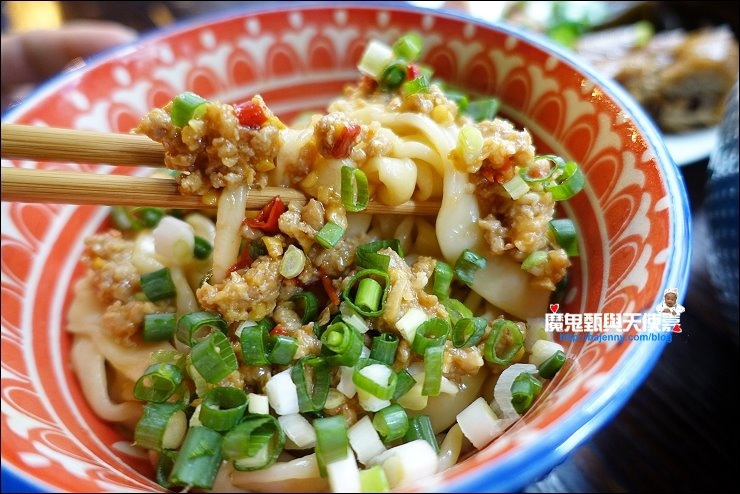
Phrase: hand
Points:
(31, 57)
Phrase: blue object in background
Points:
(722, 209)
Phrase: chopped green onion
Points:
(432, 332)
(374, 479)
(332, 441)
(222, 408)
(254, 340)
(199, 459)
(354, 189)
(417, 85)
(470, 144)
(369, 293)
(329, 235)
(350, 290)
(158, 383)
(344, 342)
(552, 365)
(293, 262)
(195, 326)
(516, 187)
(315, 370)
(384, 348)
(442, 279)
(408, 47)
(420, 427)
(456, 310)
(185, 107)
(308, 305)
(467, 264)
(367, 254)
(202, 248)
(159, 326)
(393, 75)
(483, 109)
(468, 331)
(523, 391)
(458, 97)
(382, 390)
(503, 333)
(391, 422)
(404, 382)
(122, 218)
(213, 358)
(282, 349)
(164, 468)
(568, 184)
(148, 217)
(375, 58)
(564, 232)
(534, 260)
(158, 285)
(255, 443)
(433, 359)
(161, 426)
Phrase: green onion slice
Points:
(254, 340)
(564, 232)
(354, 189)
(185, 107)
(433, 359)
(467, 264)
(344, 342)
(159, 326)
(195, 326)
(199, 458)
(353, 289)
(384, 348)
(468, 331)
(456, 309)
(524, 389)
(404, 382)
(332, 440)
(152, 428)
(311, 373)
(552, 365)
(408, 47)
(202, 248)
(158, 383)
(417, 85)
(558, 163)
(222, 408)
(391, 422)
(420, 427)
(367, 254)
(282, 349)
(158, 285)
(442, 279)
(384, 391)
(568, 184)
(393, 75)
(483, 109)
(255, 443)
(505, 338)
(329, 235)
(213, 358)
(308, 305)
(432, 332)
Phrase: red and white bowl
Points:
(633, 218)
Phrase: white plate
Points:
(690, 147)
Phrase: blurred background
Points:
(679, 432)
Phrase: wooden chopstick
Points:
(79, 146)
(73, 187)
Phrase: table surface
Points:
(678, 432)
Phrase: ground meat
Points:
(249, 293)
(350, 409)
(405, 292)
(254, 377)
(336, 134)
(123, 320)
(109, 257)
(214, 150)
(459, 362)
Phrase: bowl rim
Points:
(521, 468)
